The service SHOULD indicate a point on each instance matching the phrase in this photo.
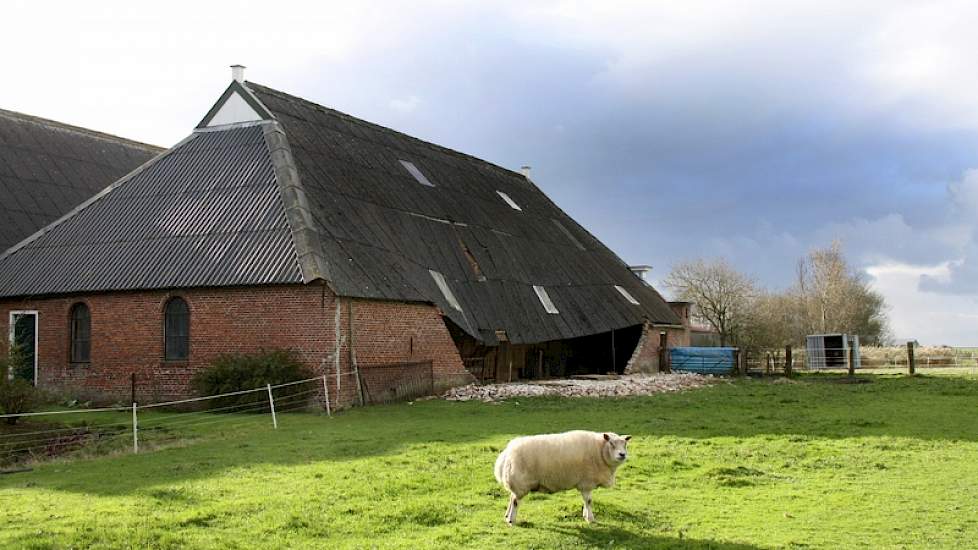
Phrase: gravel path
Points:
(615, 387)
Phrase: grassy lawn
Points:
(752, 464)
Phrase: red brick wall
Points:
(645, 358)
(127, 337)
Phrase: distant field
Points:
(752, 464)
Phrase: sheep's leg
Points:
(588, 515)
(511, 512)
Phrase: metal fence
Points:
(872, 359)
(397, 381)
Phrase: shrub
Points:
(17, 362)
(238, 372)
(16, 396)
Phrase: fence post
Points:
(326, 393)
(132, 387)
(852, 361)
(271, 405)
(135, 430)
(911, 365)
(664, 352)
(787, 361)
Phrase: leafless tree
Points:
(722, 295)
(833, 297)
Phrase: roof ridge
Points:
(78, 129)
(357, 120)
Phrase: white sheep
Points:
(557, 462)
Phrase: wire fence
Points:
(149, 422)
(865, 359)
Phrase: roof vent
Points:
(525, 170)
(237, 73)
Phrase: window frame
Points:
(166, 336)
(73, 341)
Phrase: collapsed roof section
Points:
(287, 191)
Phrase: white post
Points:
(326, 393)
(271, 404)
(135, 430)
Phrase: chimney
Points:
(640, 270)
(237, 73)
(525, 170)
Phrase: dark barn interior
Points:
(602, 353)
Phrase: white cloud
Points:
(931, 318)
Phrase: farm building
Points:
(47, 168)
(279, 223)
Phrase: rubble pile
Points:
(618, 386)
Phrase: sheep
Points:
(558, 462)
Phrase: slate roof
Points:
(315, 194)
(47, 168)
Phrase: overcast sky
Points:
(748, 130)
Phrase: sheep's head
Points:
(616, 448)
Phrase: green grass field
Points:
(752, 464)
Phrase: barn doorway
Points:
(23, 333)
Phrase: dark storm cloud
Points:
(733, 153)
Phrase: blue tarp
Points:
(703, 360)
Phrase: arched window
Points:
(81, 333)
(176, 330)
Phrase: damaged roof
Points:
(47, 168)
(312, 194)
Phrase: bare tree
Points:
(721, 295)
(833, 297)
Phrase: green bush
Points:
(238, 372)
(18, 362)
(16, 396)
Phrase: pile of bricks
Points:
(610, 387)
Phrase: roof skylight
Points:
(410, 167)
(548, 304)
(631, 299)
(509, 201)
(443, 287)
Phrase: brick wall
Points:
(645, 358)
(127, 338)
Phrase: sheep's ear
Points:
(626, 437)
(607, 437)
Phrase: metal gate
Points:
(396, 381)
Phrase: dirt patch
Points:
(606, 387)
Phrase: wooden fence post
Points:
(664, 352)
(911, 364)
(852, 361)
(135, 430)
(787, 361)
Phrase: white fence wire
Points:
(17, 446)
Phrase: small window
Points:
(81, 334)
(176, 330)
(631, 299)
(443, 286)
(545, 299)
(410, 167)
(509, 201)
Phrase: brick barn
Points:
(279, 223)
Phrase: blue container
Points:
(703, 360)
